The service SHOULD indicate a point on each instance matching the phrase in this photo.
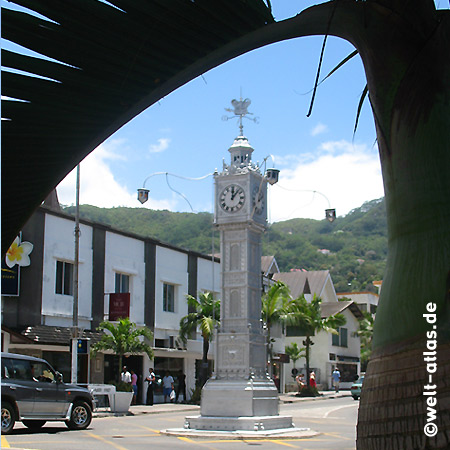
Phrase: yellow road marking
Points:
(150, 429)
(337, 435)
(185, 439)
(282, 443)
(5, 442)
(95, 436)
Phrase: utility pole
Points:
(75, 331)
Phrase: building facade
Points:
(156, 277)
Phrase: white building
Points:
(366, 301)
(157, 276)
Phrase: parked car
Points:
(356, 387)
(34, 393)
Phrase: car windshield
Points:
(360, 380)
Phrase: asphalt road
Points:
(334, 419)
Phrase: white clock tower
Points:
(240, 395)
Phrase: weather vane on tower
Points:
(240, 110)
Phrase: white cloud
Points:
(98, 187)
(347, 176)
(320, 128)
(162, 145)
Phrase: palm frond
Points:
(360, 104)
(123, 337)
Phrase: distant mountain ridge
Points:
(353, 247)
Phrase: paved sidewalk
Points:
(178, 407)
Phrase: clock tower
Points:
(240, 395)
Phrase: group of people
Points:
(130, 377)
(170, 393)
(301, 382)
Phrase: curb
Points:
(144, 411)
(177, 407)
(287, 433)
(295, 399)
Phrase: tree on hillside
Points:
(205, 316)
(124, 338)
(307, 318)
(274, 307)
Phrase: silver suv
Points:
(34, 393)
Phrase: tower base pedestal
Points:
(254, 423)
(232, 405)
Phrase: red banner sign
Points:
(119, 306)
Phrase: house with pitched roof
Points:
(329, 351)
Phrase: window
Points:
(122, 283)
(341, 339)
(7, 368)
(64, 278)
(343, 334)
(335, 340)
(168, 297)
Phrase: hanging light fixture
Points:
(272, 176)
(143, 195)
(330, 215)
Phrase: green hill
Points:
(353, 247)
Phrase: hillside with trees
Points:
(353, 247)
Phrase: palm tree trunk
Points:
(204, 368)
(412, 114)
(307, 344)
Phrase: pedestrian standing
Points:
(167, 386)
(312, 380)
(150, 380)
(336, 375)
(181, 388)
(134, 379)
(125, 376)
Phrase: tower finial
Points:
(240, 110)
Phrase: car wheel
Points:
(80, 417)
(355, 397)
(34, 424)
(8, 418)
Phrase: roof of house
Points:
(46, 334)
(16, 338)
(331, 308)
(299, 282)
(269, 265)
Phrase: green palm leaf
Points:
(205, 316)
(123, 338)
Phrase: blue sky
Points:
(184, 134)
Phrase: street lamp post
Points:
(74, 373)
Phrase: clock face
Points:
(232, 198)
(258, 200)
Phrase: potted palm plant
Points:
(123, 338)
